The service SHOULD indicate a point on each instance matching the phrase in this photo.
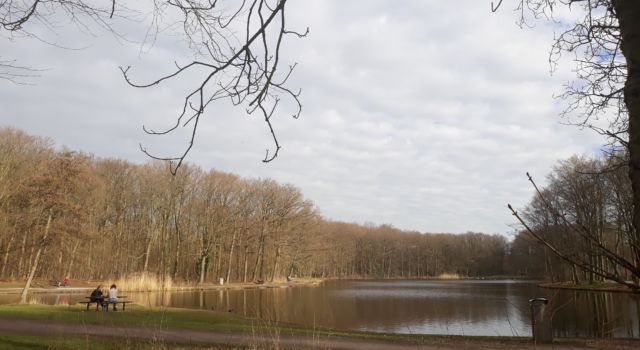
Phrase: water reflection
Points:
(420, 307)
(603, 315)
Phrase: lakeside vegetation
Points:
(578, 227)
(594, 287)
(70, 214)
(65, 213)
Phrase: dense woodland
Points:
(71, 214)
(91, 218)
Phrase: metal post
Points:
(540, 321)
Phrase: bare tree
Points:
(56, 203)
(605, 42)
(571, 208)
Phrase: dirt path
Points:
(274, 340)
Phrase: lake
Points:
(414, 307)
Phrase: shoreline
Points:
(601, 287)
(204, 287)
(88, 286)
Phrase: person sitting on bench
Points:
(113, 296)
(96, 296)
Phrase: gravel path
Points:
(273, 341)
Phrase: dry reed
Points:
(448, 276)
(143, 282)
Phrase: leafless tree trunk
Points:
(257, 268)
(246, 264)
(147, 252)
(275, 264)
(230, 258)
(6, 255)
(34, 267)
(176, 258)
(628, 12)
(72, 258)
(203, 268)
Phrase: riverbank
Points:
(595, 287)
(84, 286)
(88, 286)
(71, 327)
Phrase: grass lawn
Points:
(199, 320)
(31, 342)
(18, 341)
(135, 315)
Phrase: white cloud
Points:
(422, 114)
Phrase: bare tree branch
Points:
(238, 47)
(232, 73)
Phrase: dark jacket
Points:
(96, 295)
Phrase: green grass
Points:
(31, 342)
(134, 316)
(201, 320)
(16, 341)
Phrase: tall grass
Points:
(143, 282)
(448, 276)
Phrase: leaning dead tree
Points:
(604, 40)
(236, 47)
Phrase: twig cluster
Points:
(245, 70)
(600, 67)
(237, 44)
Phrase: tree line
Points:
(65, 213)
(579, 227)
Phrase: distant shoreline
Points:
(600, 287)
(85, 286)
(204, 287)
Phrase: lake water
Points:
(416, 307)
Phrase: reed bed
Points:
(143, 282)
(448, 276)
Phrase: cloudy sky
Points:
(420, 114)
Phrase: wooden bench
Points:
(105, 304)
(98, 304)
(123, 302)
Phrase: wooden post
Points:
(541, 321)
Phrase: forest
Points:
(66, 213)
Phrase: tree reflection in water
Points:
(596, 314)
